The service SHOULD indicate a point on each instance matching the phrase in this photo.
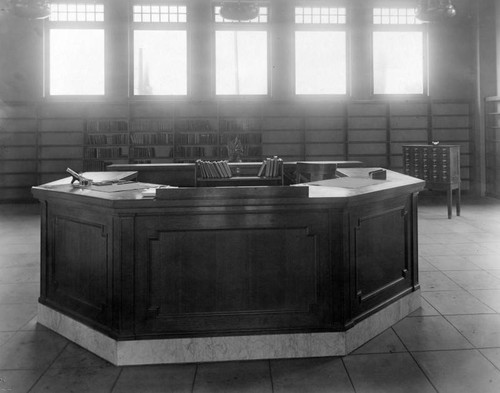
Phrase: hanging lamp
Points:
(435, 10)
(239, 10)
(28, 9)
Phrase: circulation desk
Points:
(229, 273)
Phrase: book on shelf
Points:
(271, 167)
(262, 169)
(213, 169)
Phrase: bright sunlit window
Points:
(76, 52)
(398, 52)
(320, 52)
(398, 63)
(241, 56)
(160, 72)
(160, 49)
(76, 62)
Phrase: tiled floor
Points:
(451, 344)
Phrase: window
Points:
(320, 50)
(398, 52)
(241, 55)
(160, 49)
(76, 49)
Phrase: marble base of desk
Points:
(214, 349)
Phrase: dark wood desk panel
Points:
(134, 267)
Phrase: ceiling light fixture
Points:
(435, 10)
(28, 9)
(241, 11)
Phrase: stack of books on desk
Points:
(271, 167)
(214, 169)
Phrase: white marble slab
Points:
(211, 349)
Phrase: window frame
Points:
(159, 26)
(72, 25)
(242, 26)
(418, 27)
(342, 27)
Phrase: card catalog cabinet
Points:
(438, 165)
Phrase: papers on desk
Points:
(347, 182)
(151, 192)
(119, 186)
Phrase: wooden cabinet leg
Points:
(459, 200)
(449, 199)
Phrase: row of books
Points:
(194, 151)
(240, 124)
(213, 169)
(193, 125)
(197, 139)
(107, 125)
(167, 125)
(162, 138)
(142, 152)
(152, 125)
(103, 152)
(245, 138)
(271, 167)
(94, 166)
(107, 139)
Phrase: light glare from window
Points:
(76, 62)
(160, 62)
(241, 62)
(320, 62)
(398, 63)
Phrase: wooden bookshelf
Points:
(243, 174)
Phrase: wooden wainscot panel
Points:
(76, 268)
(381, 257)
(233, 273)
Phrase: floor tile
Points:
(471, 249)
(18, 381)
(386, 373)
(495, 272)
(19, 293)
(425, 310)
(75, 356)
(451, 238)
(490, 297)
(22, 259)
(465, 371)
(5, 336)
(490, 261)
(424, 238)
(310, 376)
(25, 236)
(471, 280)
(14, 249)
(385, 342)
(31, 350)
(425, 266)
(484, 237)
(482, 331)
(493, 355)
(452, 263)
(436, 281)
(156, 379)
(15, 316)
(233, 376)
(33, 324)
(429, 333)
(427, 250)
(456, 302)
(80, 380)
(12, 275)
